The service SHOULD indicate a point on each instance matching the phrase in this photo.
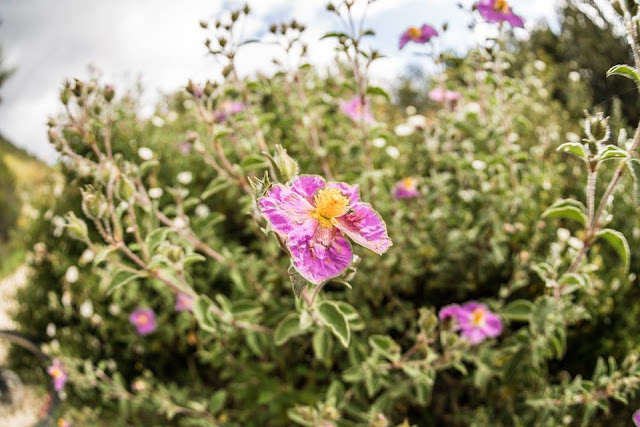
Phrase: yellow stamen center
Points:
(330, 203)
(409, 183)
(478, 317)
(56, 373)
(415, 32)
(61, 422)
(143, 319)
(501, 6)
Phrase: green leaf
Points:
(123, 277)
(335, 319)
(288, 327)
(385, 346)
(568, 212)
(215, 186)
(145, 167)
(334, 34)
(193, 258)
(156, 237)
(298, 283)
(617, 240)
(216, 403)
(634, 167)
(322, 344)
(611, 152)
(201, 312)
(103, 254)
(245, 308)
(518, 310)
(625, 71)
(375, 90)
(253, 162)
(574, 148)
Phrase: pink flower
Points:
(475, 321)
(313, 217)
(417, 35)
(63, 423)
(57, 372)
(184, 302)
(406, 189)
(499, 11)
(636, 418)
(445, 96)
(356, 111)
(144, 319)
(227, 109)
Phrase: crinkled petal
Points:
(493, 327)
(307, 186)
(349, 191)
(427, 33)
(515, 20)
(365, 227)
(474, 336)
(452, 310)
(284, 208)
(404, 39)
(319, 253)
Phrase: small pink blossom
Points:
(184, 302)
(444, 95)
(499, 11)
(475, 321)
(636, 418)
(406, 189)
(356, 111)
(417, 35)
(228, 109)
(314, 217)
(57, 372)
(144, 319)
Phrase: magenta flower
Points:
(475, 321)
(356, 111)
(313, 217)
(57, 372)
(499, 11)
(144, 319)
(406, 189)
(444, 95)
(417, 35)
(184, 302)
(636, 418)
(228, 109)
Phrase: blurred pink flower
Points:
(356, 111)
(475, 321)
(499, 11)
(227, 109)
(144, 319)
(314, 217)
(636, 418)
(417, 35)
(444, 95)
(57, 372)
(184, 302)
(63, 423)
(406, 189)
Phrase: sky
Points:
(161, 43)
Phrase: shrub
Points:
(479, 197)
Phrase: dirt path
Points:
(24, 414)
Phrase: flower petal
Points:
(307, 186)
(404, 39)
(365, 227)
(452, 310)
(349, 191)
(284, 209)
(319, 253)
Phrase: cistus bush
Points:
(298, 249)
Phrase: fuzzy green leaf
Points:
(574, 148)
(634, 167)
(518, 310)
(335, 319)
(288, 327)
(617, 240)
(626, 71)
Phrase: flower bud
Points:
(126, 190)
(227, 70)
(597, 128)
(286, 166)
(235, 15)
(94, 204)
(273, 28)
(204, 25)
(246, 9)
(77, 87)
(208, 88)
(65, 95)
(109, 93)
(77, 227)
(331, 7)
